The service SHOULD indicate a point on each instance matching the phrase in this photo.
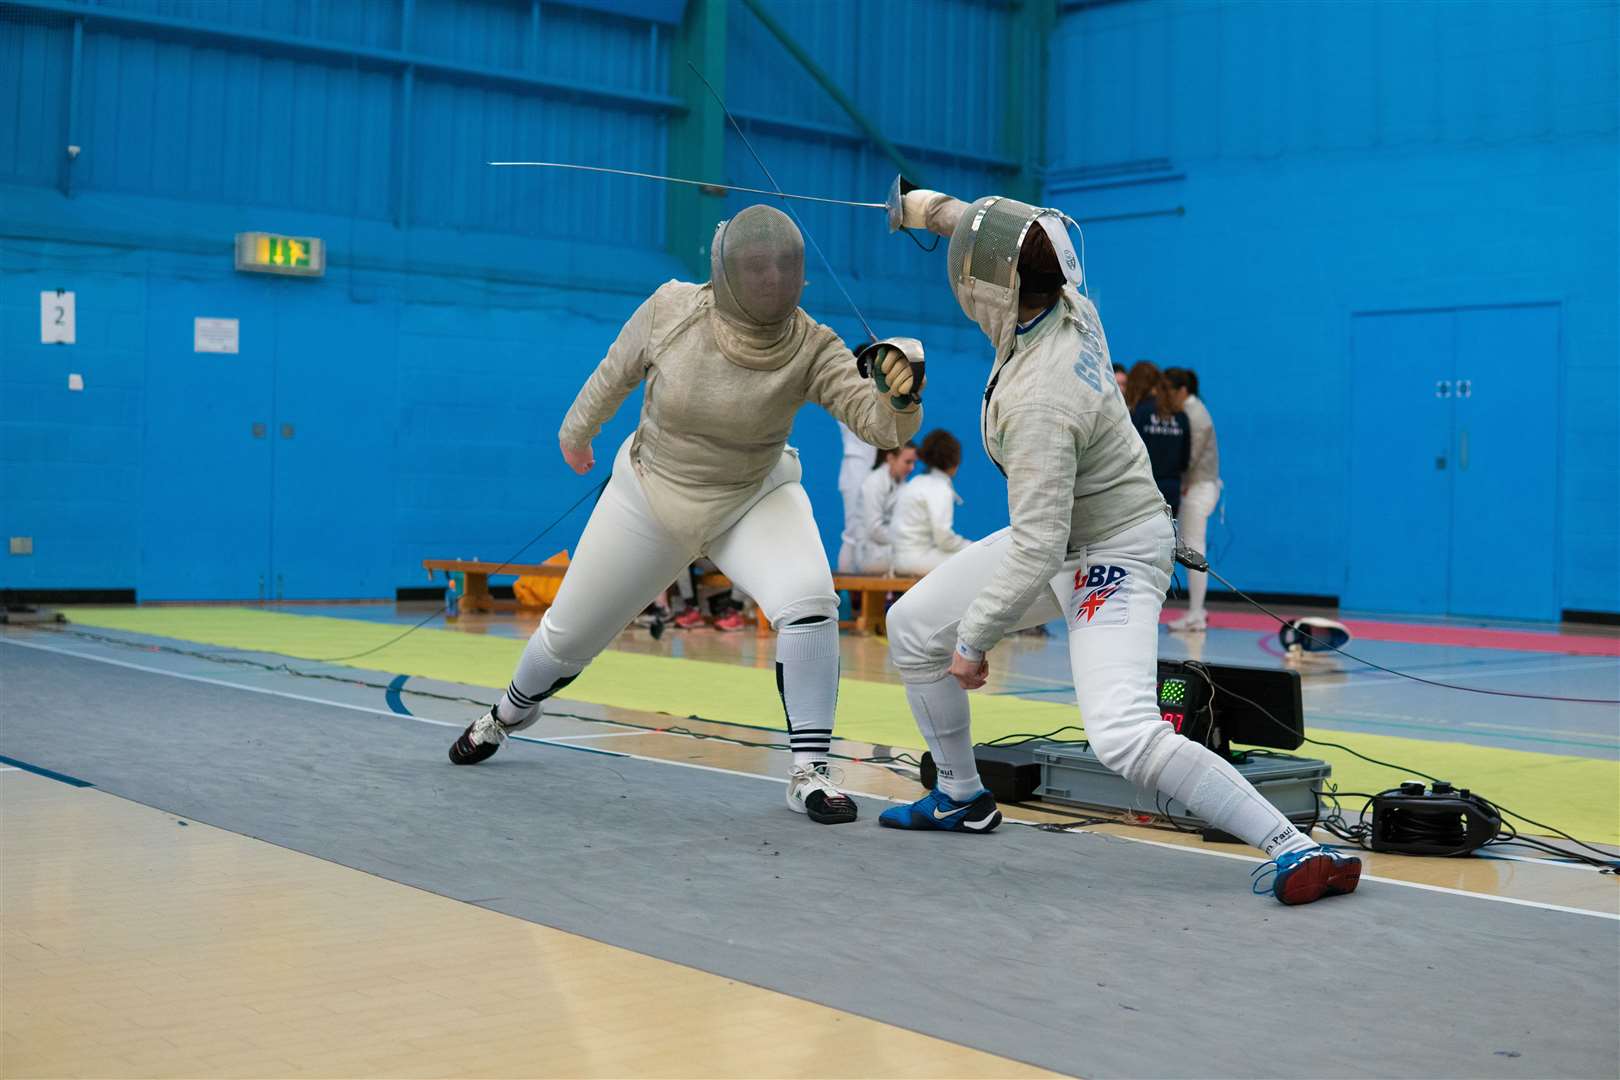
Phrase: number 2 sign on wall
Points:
(56, 318)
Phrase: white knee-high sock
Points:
(942, 712)
(807, 680)
(538, 676)
(1212, 789)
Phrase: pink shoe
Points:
(730, 621)
(690, 619)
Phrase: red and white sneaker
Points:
(731, 622)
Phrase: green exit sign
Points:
(269, 253)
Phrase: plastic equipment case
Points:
(1072, 775)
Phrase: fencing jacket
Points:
(874, 519)
(1206, 455)
(923, 517)
(713, 428)
(1055, 424)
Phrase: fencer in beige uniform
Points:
(708, 472)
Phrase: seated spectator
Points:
(874, 513)
(926, 509)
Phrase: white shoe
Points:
(480, 741)
(811, 790)
(1192, 621)
(484, 736)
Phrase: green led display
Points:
(1173, 692)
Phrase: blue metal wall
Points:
(1259, 174)
(411, 396)
(1255, 176)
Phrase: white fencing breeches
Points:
(625, 559)
(912, 561)
(1110, 602)
(1198, 502)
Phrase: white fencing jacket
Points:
(874, 520)
(924, 515)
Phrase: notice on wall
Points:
(214, 335)
(56, 317)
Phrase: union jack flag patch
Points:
(1101, 597)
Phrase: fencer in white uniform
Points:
(1200, 488)
(874, 510)
(1090, 543)
(852, 470)
(708, 472)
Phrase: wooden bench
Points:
(873, 589)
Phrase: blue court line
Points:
(568, 746)
(48, 774)
(395, 701)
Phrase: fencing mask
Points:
(983, 260)
(756, 266)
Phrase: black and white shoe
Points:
(480, 741)
(811, 790)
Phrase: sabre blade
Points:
(681, 180)
(836, 280)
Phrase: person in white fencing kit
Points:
(1200, 487)
(925, 513)
(852, 470)
(1090, 543)
(874, 509)
(708, 472)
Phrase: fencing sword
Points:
(891, 206)
(684, 180)
(836, 280)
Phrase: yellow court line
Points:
(135, 945)
(1578, 794)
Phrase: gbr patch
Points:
(1100, 597)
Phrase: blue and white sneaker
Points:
(937, 810)
(1299, 877)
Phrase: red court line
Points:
(1472, 637)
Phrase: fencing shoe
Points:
(812, 790)
(481, 739)
(1193, 620)
(937, 810)
(1298, 877)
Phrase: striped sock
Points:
(807, 680)
(543, 675)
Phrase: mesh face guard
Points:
(757, 266)
(983, 260)
(985, 243)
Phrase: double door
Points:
(1454, 482)
(267, 473)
